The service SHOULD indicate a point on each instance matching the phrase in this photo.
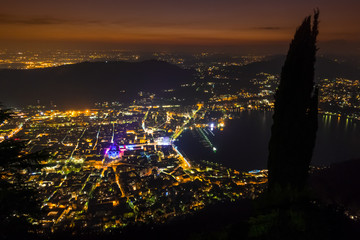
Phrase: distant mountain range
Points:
(324, 68)
(80, 85)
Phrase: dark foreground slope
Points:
(238, 220)
(339, 185)
(80, 85)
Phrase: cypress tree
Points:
(293, 132)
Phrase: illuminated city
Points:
(110, 167)
(118, 164)
(182, 120)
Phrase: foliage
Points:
(4, 113)
(19, 206)
(284, 211)
(293, 132)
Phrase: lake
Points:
(243, 142)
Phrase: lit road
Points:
(118, 182)
(78, 141)
(181, 129)
(62, 141)
(184, 162)
(143, 121)
(98, 133)
(97, 138)
(113, 133)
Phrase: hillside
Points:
(324, 68)
(339, 185)
(80, 85)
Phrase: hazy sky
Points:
(177, 23)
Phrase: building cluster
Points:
(340, 96)
(117, 165)
(43, 59)
(81, 187)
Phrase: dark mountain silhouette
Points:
(80, 85)
(339, 185)
(325, 68)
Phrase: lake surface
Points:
(243, 142)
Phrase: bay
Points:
(243, 143)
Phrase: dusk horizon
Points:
(161, 25)
(182, 120)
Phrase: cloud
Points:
(44, 20)
(158, 23)
(267, 28)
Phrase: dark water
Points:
(243, 143)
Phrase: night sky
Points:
(174, 23)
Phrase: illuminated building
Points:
(114, 152)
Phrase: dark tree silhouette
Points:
(4, 113)
(19, 204)
(293, 132)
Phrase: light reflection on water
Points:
(243, 144)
